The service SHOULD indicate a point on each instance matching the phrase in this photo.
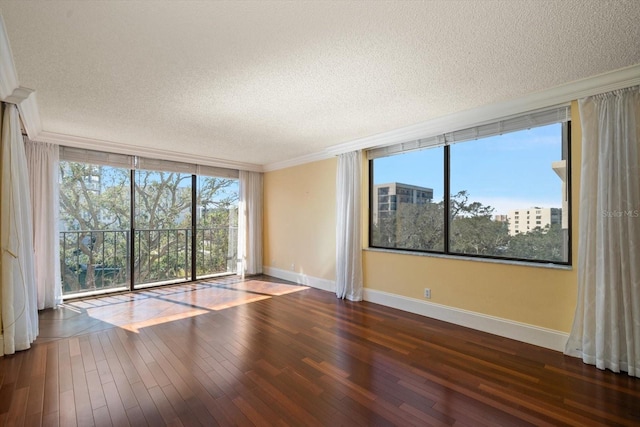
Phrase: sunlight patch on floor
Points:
(133, 311)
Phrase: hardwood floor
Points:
(264, 352)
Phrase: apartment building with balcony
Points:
(387, 197)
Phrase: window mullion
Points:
(370, 234)
(447, 197)
(132, 229)
(194, 228)
(566, 156)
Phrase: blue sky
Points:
(510, 171)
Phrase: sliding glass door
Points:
(94, 227)
(216, 242)
(162, 231)
(125, 227)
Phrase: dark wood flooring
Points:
(264, 352)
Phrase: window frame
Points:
(446, 252)
(133, 164)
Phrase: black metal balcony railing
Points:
(95, 260)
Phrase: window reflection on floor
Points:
(132, 311)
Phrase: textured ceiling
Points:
(264, 82)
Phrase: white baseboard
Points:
(531, 334)
(542, 337)
(302, 279)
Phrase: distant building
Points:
(501, 218)
(560, 168)
(387, 197)
(526, 220)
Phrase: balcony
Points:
(99, 261)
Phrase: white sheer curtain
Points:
(348, 227)
(42, 162)
(19, 300)
(606, 329)
(250, 223)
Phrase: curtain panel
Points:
(42, 163)
(348, 227)
(606, 328)
(17, 270)
(250, 223)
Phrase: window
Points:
(471, 184)
(397, 229)
(216, 242)
(162, 226)
(111, 241)
(94, 227)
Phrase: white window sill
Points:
(476, 259)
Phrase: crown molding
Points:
(19, 95)
(8, 76)
(11, 92)
(309, 158)
(619, 79)
(137, 150)
(27, 104)
(30, 114)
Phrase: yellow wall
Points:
(300, 219)
(300, 229)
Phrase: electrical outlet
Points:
(427, 293)
(293, 267)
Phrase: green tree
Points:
(95, 210)
(473, 230)
(540, 243)
(91, 214)
(420, 226)
(163, 226)
(383, 233)
(216, 235)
